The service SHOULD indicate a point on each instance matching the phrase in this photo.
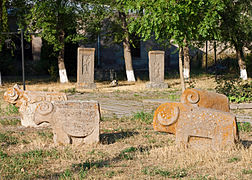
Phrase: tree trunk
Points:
(241, 62)
(181, 70)
(61, 63)
(186, 61)
(126, 50)
(0, 79)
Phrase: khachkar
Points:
(27, 101)
(201, 120)
(72, 122)
(156, 70)
(85, 68)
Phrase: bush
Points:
(235, 89)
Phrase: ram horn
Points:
(168, 116)
(44, 108)
(12, 94)
(192, 96)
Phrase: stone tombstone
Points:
(27, 101)
(0, 79)
(156, 70)
(73, 122)
(196, 127)
(36, 47)
(206, 99)
(85, 68)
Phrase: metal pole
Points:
(22, 47)
(215, 60)
(206, 55)
(98, 50)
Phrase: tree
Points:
(3, 21)
(108, 18)
(56, 22)
(177, 20)
(236, 29)
(3, 26)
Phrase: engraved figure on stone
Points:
(86, 60)
(157, 71)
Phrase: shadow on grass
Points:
(82, 168)
(246, 143)
(110, 138)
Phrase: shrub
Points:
(235, 89)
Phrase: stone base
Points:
(86, 86)
(156, 85)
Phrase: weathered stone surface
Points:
(196, 127)
(27, 102)
(156, 70)
(73, 122)
(85, 68)
(36, 47)
(206, 99)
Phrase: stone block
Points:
(85, 68)
(27, 102)
(196, 127)
(73, 122)
(156, 70)
(206, 99)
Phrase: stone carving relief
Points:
(26, 101)
(201, 120)
(73, 122)
(197, 127)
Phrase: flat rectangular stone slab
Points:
(73, 122)
(156, 70)
(85, 68)
(241, 106)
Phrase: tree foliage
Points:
(175, 19)
(236, 23)
(3, 21)
(52, 18)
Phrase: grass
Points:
(244, 126)
(6, 139)
(10, 122)
(8, 110)
(24, 165)
(71, 90)
(143, 117)
(153, 171)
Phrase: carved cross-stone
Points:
(85, 68)
(156, 70)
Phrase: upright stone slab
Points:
(206, 99)
(85, 68)
(73, 122)
(201, 128)
(156, 70)
(27, 102)
(36, 47)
